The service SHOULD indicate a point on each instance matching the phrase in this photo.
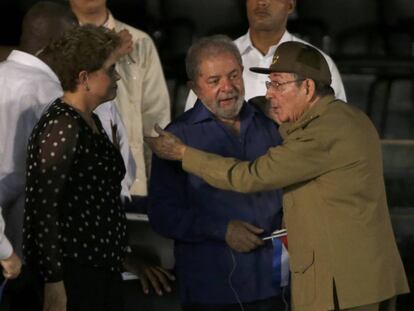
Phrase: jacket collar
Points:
(308, 116)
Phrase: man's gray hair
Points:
(208, 47)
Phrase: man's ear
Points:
(191, 85)
(292, 6)
(310, 89)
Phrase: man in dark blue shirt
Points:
(221, 259)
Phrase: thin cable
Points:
(284, 298)
(231, 283)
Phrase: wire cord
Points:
(233, 269)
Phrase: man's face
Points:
(87, 6)
(269, 15)
(287, 100)
(220, 85)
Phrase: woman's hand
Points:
(55, 297)
(11, 266)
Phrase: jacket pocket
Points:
(303, 278)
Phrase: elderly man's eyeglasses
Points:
(277, 85)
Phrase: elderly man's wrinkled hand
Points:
(242, 236)
(166, 145)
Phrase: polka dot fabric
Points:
(73, 206)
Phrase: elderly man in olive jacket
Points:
(342, 248)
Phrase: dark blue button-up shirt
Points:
(185, 208)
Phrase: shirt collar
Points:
(245, 43)
(308, 116)
(201, 113)
(110, 23)
(287, 36)
(27, 59)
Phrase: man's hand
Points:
(166, 145)
(242, 236)
(125, 47)
(11, 266)
(158, 277)
(55, 297)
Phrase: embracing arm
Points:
(281, 166)
(298, 159)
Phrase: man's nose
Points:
(262, 3)
(226, 85)
(269, 94)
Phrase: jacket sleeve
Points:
(297, 160)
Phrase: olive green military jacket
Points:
(339, 228)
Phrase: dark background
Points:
(371, 41)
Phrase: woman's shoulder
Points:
(59, 116)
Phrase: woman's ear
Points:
(83, 80)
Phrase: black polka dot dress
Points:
(73, 208)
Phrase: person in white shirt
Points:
(267, 30)
(142, 97)
(27, 87)
(9, 261)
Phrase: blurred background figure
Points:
(27, 87)
(142, 97)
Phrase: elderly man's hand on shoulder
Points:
(166, 145)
